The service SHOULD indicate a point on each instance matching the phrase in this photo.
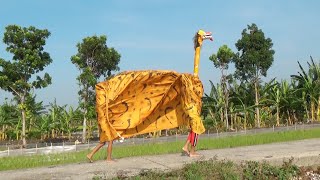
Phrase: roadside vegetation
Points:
(227, 170)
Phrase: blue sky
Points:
(157, 34)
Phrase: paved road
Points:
(305, 152)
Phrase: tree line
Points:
(20, 76)
(240, 100)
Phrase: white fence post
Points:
(8, 151)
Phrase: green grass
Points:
(222, 170)
(20, 162)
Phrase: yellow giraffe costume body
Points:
(138, 102)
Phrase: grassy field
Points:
(20, 162)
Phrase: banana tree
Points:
(213, 104)
(55, 112)
(309, 85)
(264, 104)
(243, 110)
(69, 118)
(242, 99)
(8, 117)
(275, 99)
(221, 60)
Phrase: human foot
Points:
(89, 158)
(110, 161)
(185, 150)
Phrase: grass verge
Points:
(21, 162)
(222, 170)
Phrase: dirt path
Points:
(305, 152)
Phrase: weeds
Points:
(224, 170)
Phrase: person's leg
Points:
(185, 148)
(194, 141)
(109, 152)
(89, 156)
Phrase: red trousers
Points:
(193, 138)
